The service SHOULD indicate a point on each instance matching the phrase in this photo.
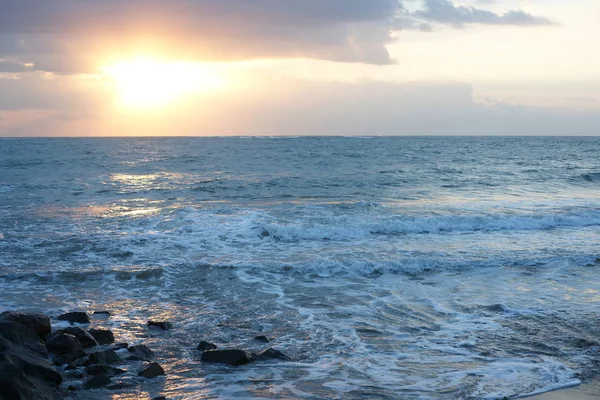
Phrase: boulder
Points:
(84, 337)
(96, 382)
(261, 338)
(271, 353)
(119, 346)
(164, 325)
(25, 371)
(103, 336)
(70, 357)
(39, 323)
(206, 346)
(152, 371)
(62, 343)
(103, 370)
(230, 357)
(104, 357)
(79, 317)
(141, 352)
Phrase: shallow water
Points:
(426, 268)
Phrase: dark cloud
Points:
(445, 12)
(344, 30)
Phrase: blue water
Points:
(426, 268)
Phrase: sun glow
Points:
(147, 83)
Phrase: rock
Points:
(119, 346)
(261, 338)
(230, 357)
(160, 398)
(25, 371)
(104, 357)
(102, 313)
(79, 317)
(97, 382)
(152, 371)
(70, 357)
(141, 352)
(84, 337)
(103, 336)
(62, 343)
(39, 323)
(271, 353)
(103, 370)
(164, 325)
(206, 346)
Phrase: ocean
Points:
(385, 267)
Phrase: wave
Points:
(593, 177)
(403, 225)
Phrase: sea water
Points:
(386, 268)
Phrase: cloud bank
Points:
(68, 36)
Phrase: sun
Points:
(149, 83)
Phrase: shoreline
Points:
(589, 390)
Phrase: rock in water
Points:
(261, 338)
(141, 352)
(70, 357)
(39, 323)
(272, 353)
(97, 382)
(164, 325)
(152, 371)
(84, 338)
(62, 343)
(206, 346)
(25, 371)
(104, 357)
(103, 370)
(102, 313)
(103, 336)
(79, 317)
(229, 357)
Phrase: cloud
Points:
(445, 12)
(342, 30)
(281, 105)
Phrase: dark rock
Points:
(261, 338)
(79, 317)
(271, 353)
(152, 371)
(123, 384)
(39, 323)
(230, 357)
(103, 370)
(62, 343)
(102, 313)
(103, 336)
(160, 398)
(25, 371)
(97, 382)
(119, 346)
(164, 325)
(206, 346)
(70, 357)
(104, 357)
(142, 352)
(84, 338)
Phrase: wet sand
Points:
(586, 391)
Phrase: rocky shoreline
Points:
(39, 361)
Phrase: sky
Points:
(299, 67)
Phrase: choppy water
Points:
(414, 268)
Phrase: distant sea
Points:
(386, 268)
